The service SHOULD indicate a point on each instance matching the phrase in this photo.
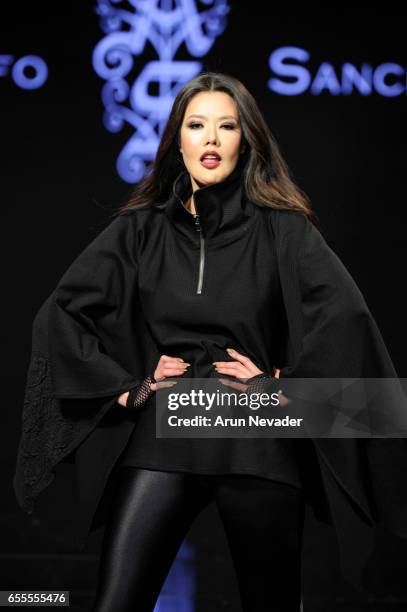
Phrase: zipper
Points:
(201, 247)
(201, 253)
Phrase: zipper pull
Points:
(197, 223)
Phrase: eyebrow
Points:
(220, 118)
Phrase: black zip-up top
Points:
(208, 282)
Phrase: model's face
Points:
(210, 122)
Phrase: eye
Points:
(230, 126)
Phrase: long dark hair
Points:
(267, 179)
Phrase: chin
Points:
(210, 176)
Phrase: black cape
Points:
(90, 343)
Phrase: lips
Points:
(210, 155)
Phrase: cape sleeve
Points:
(333, 330)
(88, 323)
(332, 334)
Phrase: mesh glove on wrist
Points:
(261, 383)
(139, 395)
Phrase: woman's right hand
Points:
(168, 366)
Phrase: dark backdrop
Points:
(59, 185)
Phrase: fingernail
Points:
(230, 349)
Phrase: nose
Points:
(212, 135)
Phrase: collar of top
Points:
(220, 206)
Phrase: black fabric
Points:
(199, 327)
(270, 458)
(153, 512)
(91, 341)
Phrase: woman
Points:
(213, 268)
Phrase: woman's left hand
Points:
(242, 368)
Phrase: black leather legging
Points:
(153, 511)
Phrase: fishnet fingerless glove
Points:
(139, 395)
(261, 382)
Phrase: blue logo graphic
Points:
(28, 72)
(143, 100)
(287, 62)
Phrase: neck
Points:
(190, 206)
